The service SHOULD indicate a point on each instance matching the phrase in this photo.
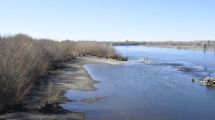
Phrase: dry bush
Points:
(94, 49)
(52, 95)
(67, 48)
(16, 60)
(24, 59)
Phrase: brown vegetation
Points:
(23, 60)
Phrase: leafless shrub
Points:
(94, 49)
(52, 95)
(24, 59)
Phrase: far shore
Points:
(210, 48)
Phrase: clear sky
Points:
(116, 20)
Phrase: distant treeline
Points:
(170, 43)
(201, 45)
(127, 43)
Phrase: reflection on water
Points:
(162, 90)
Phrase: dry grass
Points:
(24, 59)
(52, 95)
(94, 49)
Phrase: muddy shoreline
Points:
(72, 76)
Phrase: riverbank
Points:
(31, 68)
(76, 77)
(26, 61)
(71, 76)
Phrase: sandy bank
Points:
(75, 76)
(72, 76)
(102, 60)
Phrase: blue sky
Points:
(116, 20)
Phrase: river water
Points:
(161, 90)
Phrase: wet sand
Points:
(73, 76)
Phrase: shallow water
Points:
(162, 90)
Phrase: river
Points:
(161, 90)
